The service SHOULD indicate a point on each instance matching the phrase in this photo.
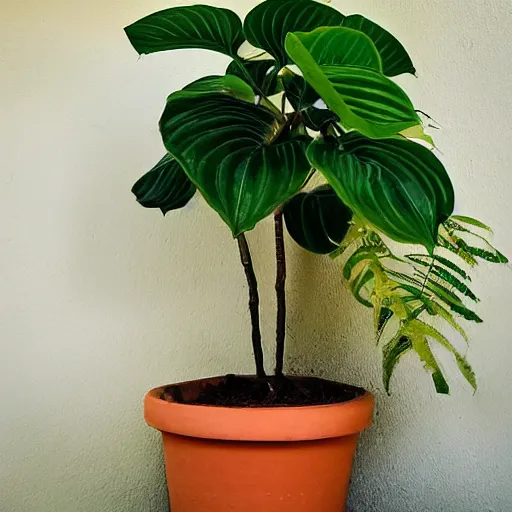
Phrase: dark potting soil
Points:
(244, 391)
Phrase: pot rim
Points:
(291, 423)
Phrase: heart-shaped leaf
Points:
(364, 99)
(228, 149)
(267, 25)
(166, 186)
(395, 59)
(398, 186)
(197, 26)
(227, 84)
(317, 220)
(341, 46)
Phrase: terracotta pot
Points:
(279, 459)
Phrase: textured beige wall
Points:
(101, 300)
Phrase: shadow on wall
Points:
(331, 335)
(165, 282)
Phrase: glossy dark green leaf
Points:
(391, 354)
(340, 46)
(262, 72)
(197, 26)
(166, 186)
(398, 186)
(395, 59)
(267, 25)
(227, 84)
(226, 146)
(364, 99)
(317, 220)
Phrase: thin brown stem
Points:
(280, 292)
(254, 303)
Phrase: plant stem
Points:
(280, 292)
(256, 87)
(254, 303)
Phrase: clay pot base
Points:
(256, 459)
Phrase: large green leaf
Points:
(166, 186)
(395, 59)
(317, 220)
(227, 84)
(364, 99)
(341, 46)
(197, 26)
(398, 186)
(267, 25)
(227, 148)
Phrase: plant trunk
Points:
(254, 303)
(280, 292)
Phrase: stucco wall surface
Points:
(102, 300)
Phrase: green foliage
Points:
(340, 46)
(317, 220)
(363, 98)
(466, 251)
(227, 84)
(268, 24)
(197, 26)
(302, 98)
(166, 186)
(412, 195)
(394, 57)
(224, 146)
(235, 138)
(472, 222)
(263, 73)
(411, 296)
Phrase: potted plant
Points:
(309, 127)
